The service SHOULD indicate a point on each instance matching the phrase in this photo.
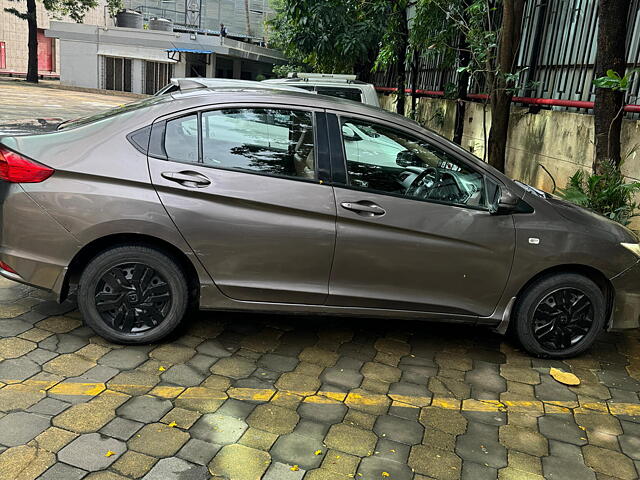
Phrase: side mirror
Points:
(349, 134)
(505, 202)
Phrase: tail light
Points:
(7, 268)
(15, 168)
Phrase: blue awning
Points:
(188, 50)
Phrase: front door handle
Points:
(187, 178)
(364, 208)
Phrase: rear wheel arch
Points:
(99, 245)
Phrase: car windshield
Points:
(119, 110)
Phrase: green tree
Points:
(74, 9)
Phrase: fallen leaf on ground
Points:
(564, 377)
(385, 474)
(161, 368)
(172, 424)
(109, 453)
(317, 452)
(295, 468)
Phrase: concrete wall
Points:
(560, 141)
(14, 32)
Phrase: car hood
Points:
(590, 220)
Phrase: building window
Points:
(117, 74)
(157, 75)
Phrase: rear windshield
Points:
(125, 109)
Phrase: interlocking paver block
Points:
(176, 469)
(121, 428)
(381, 372)
(198, 451)
(233, 367)
(449, 421)
(62, 471)
(351, 440)
(134, 464)
(86, 417)
(295, 449)
(523, 440)
(341, 377)
(172, 353)
(59, 324)
(219, 429)
(88, 452)
(374, 467)
(274, 419)
(319, 356)
(563, 428)
(18, 369)
(14, 347)
(25, 462)
(53, 439)
(68, 365)
(607, 461)
(19, 397)
(435, 463)
(340, 462)
(145, 409)
(240, 463)
(124, 358)
(20, 427)
(399, 430)
(298, 382)
(158, 440)
(213, 348)
(278, 363)
(282, 471)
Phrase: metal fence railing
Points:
(556, 55)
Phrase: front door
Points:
(242, 186)
(414, 230)
(45, 52)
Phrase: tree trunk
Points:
(32, 21)
(464, 58)
(611, 55)
(415, 63)
(247, 17)
(403, 33)
(508, 44)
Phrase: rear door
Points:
(414, 231)
(244, 185)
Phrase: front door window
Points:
(385, 160)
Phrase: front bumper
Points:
(626, 304)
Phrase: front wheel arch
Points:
(591, 273)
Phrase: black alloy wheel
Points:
(559, 315)
(132, 298)
(562, 319)
(133, 294)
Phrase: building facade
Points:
(14, 52)
(140, 60)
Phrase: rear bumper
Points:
(31, 242)
(626, 306)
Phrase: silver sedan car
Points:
(256, 199)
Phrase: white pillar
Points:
(211, 68)
(137, 76)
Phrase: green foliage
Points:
(613, 80)
(608, 194)
(333, 36)
(281, 71)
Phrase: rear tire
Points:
(133, 294)
(559, 316)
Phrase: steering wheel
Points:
(423, 183)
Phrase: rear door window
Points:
(181, 139)
(261, 140)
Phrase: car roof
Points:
(193, 83)
(324, 82)
(294, 97)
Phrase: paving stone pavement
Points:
(269, 397)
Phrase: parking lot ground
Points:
(249, 396)
(25, 107)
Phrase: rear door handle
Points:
(364, 208)
(187, 178)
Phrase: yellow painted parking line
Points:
(354, 399)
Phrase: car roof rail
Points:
(329, 77)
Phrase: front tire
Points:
(560, 316)
(133, 294)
